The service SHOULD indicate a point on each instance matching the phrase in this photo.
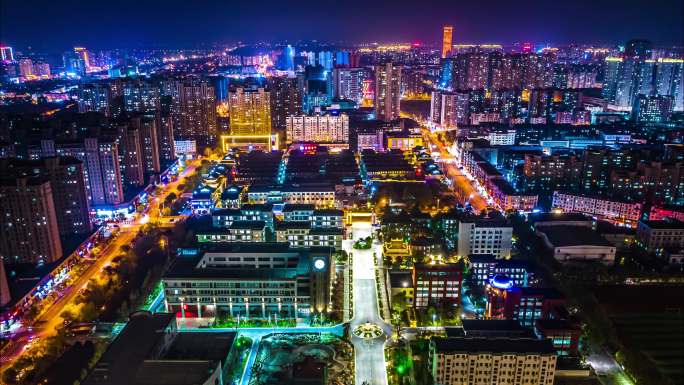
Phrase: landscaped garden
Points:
(280, 355)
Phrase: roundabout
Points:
(368, 331)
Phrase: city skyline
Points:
(342, 193)
(133, 25)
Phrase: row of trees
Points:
(110, 296)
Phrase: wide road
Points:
(464, 189)
(50, 320)
(369, 354)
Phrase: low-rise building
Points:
(655, 236)
(151, 350)
(478, 235)
(319, 218)
(249, 279)
(492, 361)
(673, 257)
(612, 210)
(386, 167)
(231, 197)
(204, 199)
(484, 267)
(301, 234)
(560, 219)
(223, 218)
(402, 140)
(507, 198)
(320, 195)
(563, 333)
(238, 231)
(396, 250)
(437, 284)
(523, 304)
(572, 243)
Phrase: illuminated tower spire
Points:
(447, 42)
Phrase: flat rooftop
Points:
(665, 224)
(566, 236)
(165, 372)
(492, 325)
(551, 217)
(136, 342)
(493, 345)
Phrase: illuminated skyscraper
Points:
(471, 71)
(6, 54)
(250, 119)
(668, 80)
(348, 83)
(318, 88)
(325, 59)
(449, 109)
(250, 111)
(387, 91)
(447, 42)
(28, 220)
(140, 96)
(41, 69)
(289, 57)
(67, 182)
(196, 106)
(26, 67)
(286, 100)
(93, 97)
(101, 167)
(652, 109)
(82, 52)
(342, 59)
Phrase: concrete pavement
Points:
(369, 354)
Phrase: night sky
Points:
(188, 23)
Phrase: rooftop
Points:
(248, 225)
(495, 324)
(166, 372)
(493, 345)
(565, 236)
(132, 346)
(556, 324)
(664, 224)
(298, 207)
(550, 217)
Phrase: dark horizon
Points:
(177, 24)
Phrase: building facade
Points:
(29, 231)
(387, 91)
(492, 361)
(250, 280)
(437, 285)
(318, 128)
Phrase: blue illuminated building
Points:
(342, 58)
(446, 74)
(289, 58)
(318, 87)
